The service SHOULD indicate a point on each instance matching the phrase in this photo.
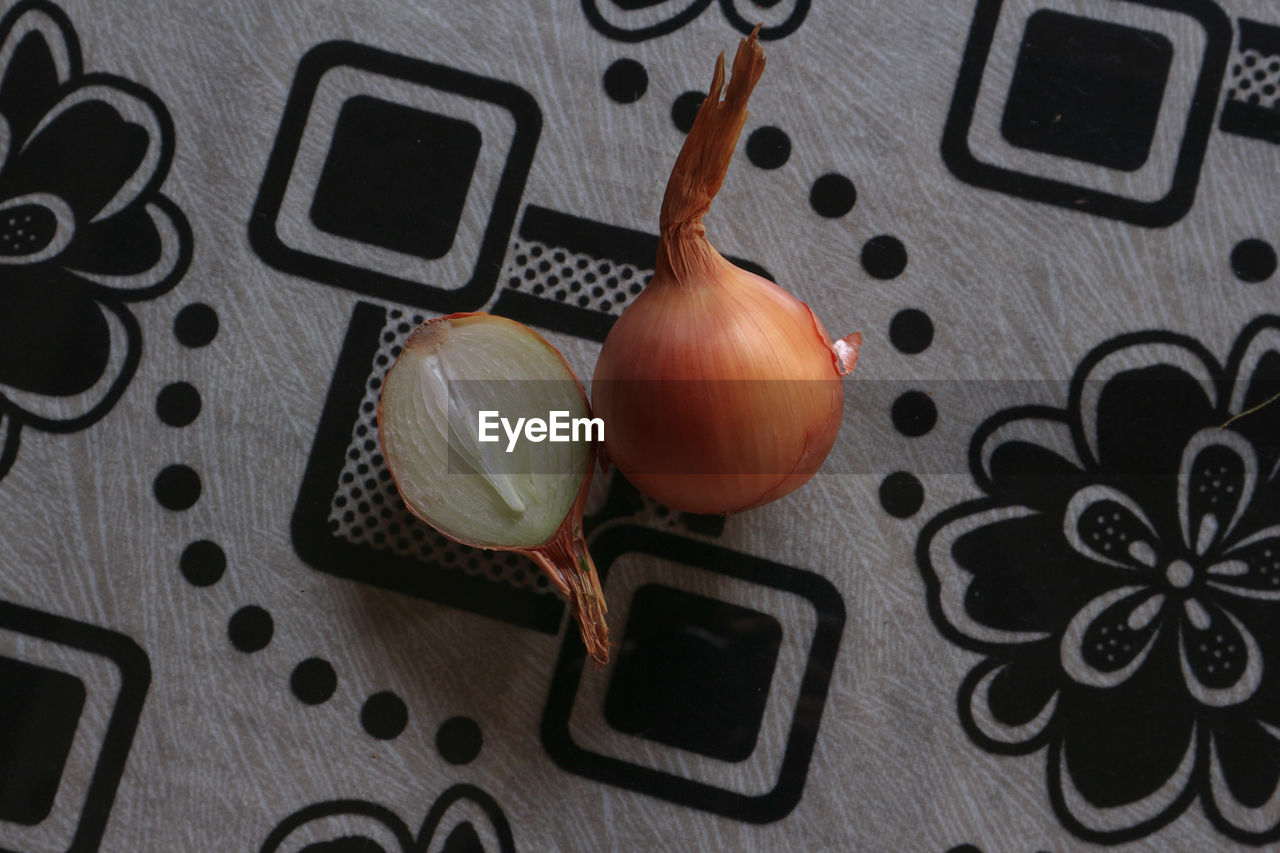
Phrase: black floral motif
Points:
(84, 228)
(462, 818)
(1122, 579)
(640, 20)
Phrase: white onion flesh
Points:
(479, 493)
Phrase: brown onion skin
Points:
(719, 390)
(684, 436)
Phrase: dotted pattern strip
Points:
(580, 280)
(20, 236)
(366, 510)
(1254, 78)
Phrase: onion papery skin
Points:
(405, 419)
(718, 394)
(719, 390)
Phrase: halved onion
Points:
(523, 495)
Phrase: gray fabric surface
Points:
(1019, 292)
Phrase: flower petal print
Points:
(632, 21)
(84, 228)
(1121, 578)
(463, 817)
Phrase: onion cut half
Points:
(505, 495)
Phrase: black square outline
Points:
(1186, 174)
(765, 632)
(318, 547)
(438, 192)
(777, 803)
(313, 65)
(60, 687)
(1028, 121)
(135, 679)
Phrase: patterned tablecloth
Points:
(1031, 603)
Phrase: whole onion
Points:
(719, 390)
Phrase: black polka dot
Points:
(768, 147)
(196, 325)
(177, 487)
(884, 257)
(685, 110)
(1253, 260)
(384, 715)
(313, 681)
(914, 414)
(203, 563)
(250, 628)
(832, 195)
(459, 740)
(178, 404)
(901, 494)
(626, 81)
(965, 848)
(911, 331)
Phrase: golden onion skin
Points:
(718, 397)
(719, 390)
